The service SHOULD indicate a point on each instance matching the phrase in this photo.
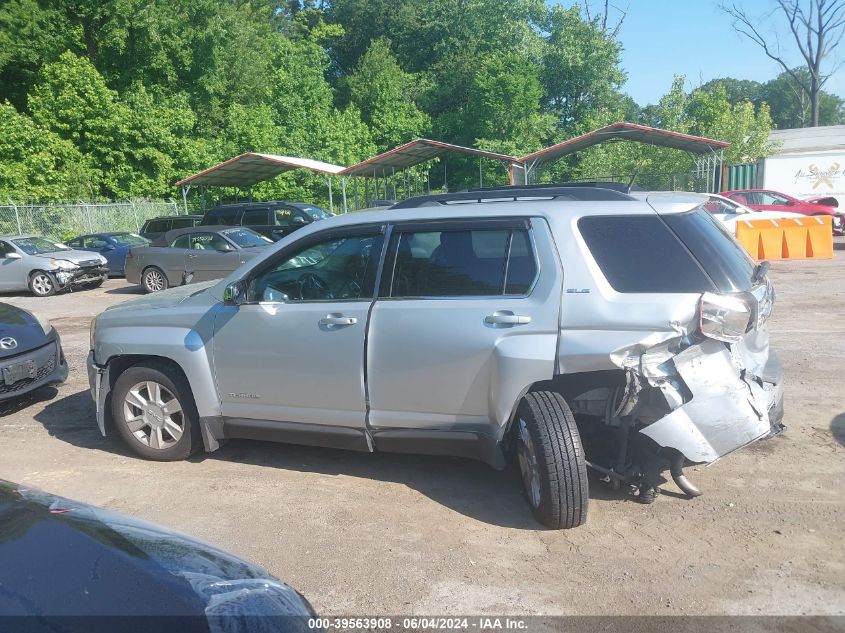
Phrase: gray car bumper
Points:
(48, 365)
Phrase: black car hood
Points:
(22, 327)
(64, 559)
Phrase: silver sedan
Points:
(183, 256)
(45, 266)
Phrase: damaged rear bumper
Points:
(721, 397)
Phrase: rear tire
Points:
(154, 412)
(551, 460)
(42, 284)
(153, 279)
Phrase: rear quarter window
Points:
(182, 223)
(639, 254)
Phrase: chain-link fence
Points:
(64, 221)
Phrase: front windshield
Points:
(38, 245)
(129, 239)
(246, 238)
(316, 213)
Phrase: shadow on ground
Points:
(73, 419)
(125, 290)
(839, 246)
(837, 428)
(466, 486)
(11, 407)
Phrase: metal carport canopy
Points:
(627, 132)
(414, 153)
(250, 168)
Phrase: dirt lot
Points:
(391, 534)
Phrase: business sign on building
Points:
(807, 175)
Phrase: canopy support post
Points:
(185, 189)
(343, 188)
(331, 202)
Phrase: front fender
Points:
(184, 346)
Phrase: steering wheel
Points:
(311, 286)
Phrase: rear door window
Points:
(95, 242)
(182, 241)
(156, 226)
(182, 223)
(463, 262)
(255, 217)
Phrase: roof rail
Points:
(552, 192)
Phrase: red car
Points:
(765, 200)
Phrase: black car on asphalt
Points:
(30, 353)
(71, 567)
(154, 227)
(273, 219)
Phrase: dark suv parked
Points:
(158, 226)
(273, 219)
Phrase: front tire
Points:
(42, 284)
(154, 412)
(551, 460)
(154, 280)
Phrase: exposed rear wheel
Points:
(154, 412)
(551, 460)
(154, 280)
(42, 284)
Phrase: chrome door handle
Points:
(331, 320)
(191, 255)
(506, 317)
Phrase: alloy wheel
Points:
(153, 280)
(42, 284)
(153, 415)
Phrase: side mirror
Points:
(234, 294)
(107, 247)
(225, 248)
(298, 219)
(13, 255)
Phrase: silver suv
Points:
(572, 327)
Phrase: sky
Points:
(693, 38)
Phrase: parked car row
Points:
(45, 266)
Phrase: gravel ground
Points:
(395, 534)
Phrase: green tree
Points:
(72, 100)
(581, 75)
(504, 99)
(36, 164)
(791, 107)
(386, 96)
(738, 90)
